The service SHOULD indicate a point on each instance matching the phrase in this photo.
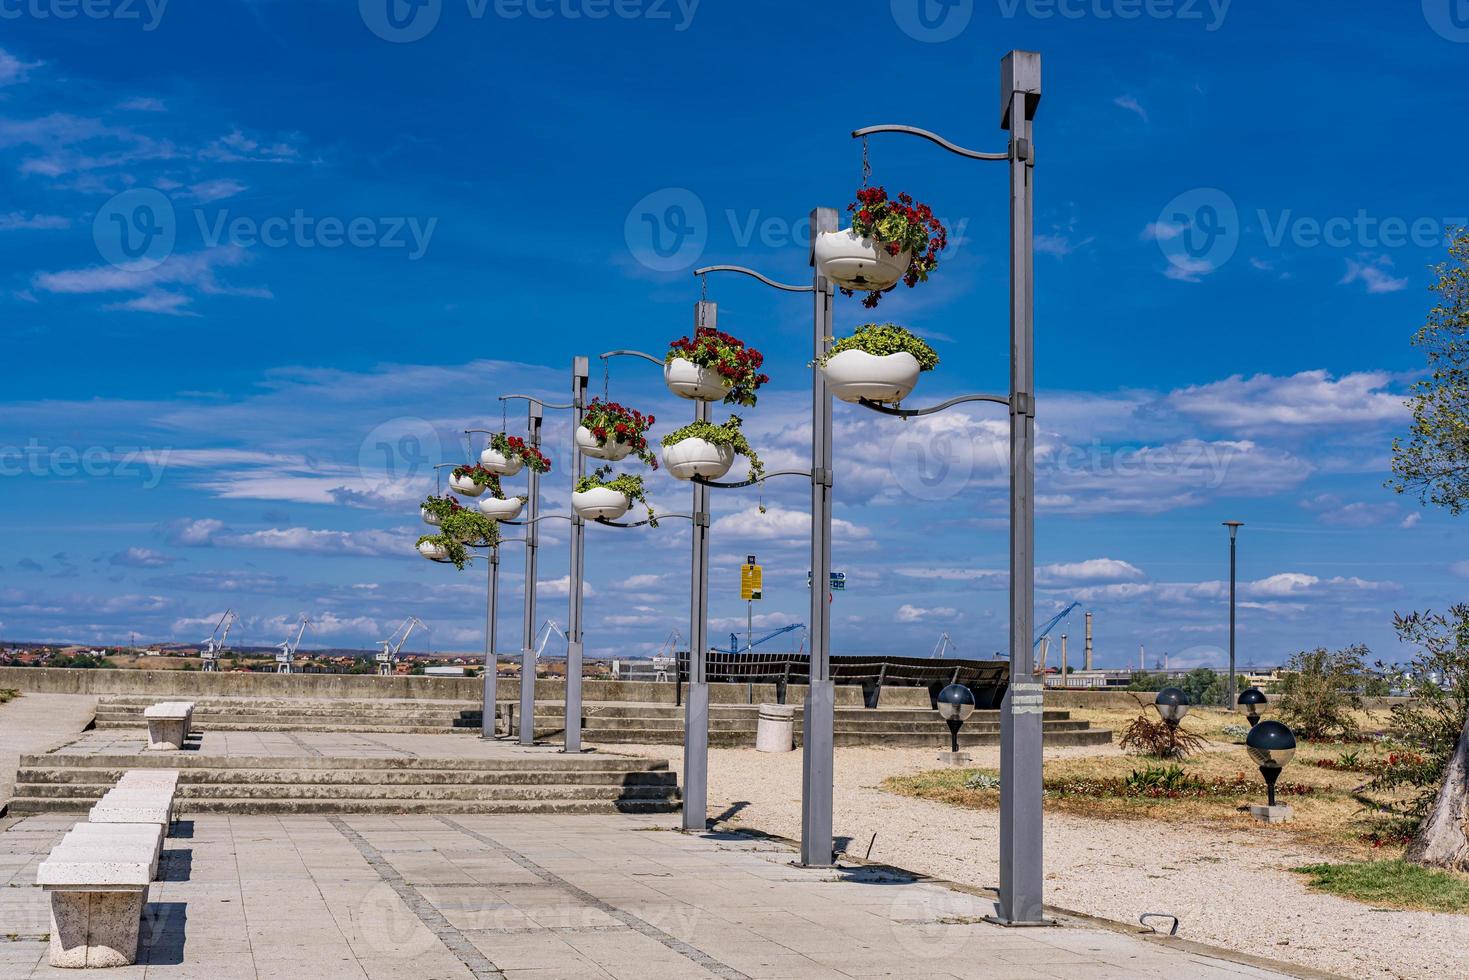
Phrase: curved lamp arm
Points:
(909, 413)
(632, 353)
(661, 517)
(532, 398)
(543, 517)
(806, 474)
(932, 138)
(755, 275)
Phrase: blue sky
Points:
(369, 234)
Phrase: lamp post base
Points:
(956, 759)
(1272, 814)
(1026, 924)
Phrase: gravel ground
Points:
(1229, 887)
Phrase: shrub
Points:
(1319, 693)
(1159, 739)
(983, 780)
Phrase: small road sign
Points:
(838, 581)
(751, 576)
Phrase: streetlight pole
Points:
(572, 743)
(492, 660)
(696, 708)
(527, 733)
(1234, 527)
(1021, 796)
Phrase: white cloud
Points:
(782, 524)
(1312, 398)
(1188, 269)
(1375, 273)
(1131, 104)
(1411, 520)
(17, 221)
(142, 104)
(917, 614)
(141, 558)
(1091, 570)
(195, 271)
(12, 69)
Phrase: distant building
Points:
(444, 671)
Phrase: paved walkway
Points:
(542, 897)
(36, 723)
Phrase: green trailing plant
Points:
(627, 484)
(737, 365)
(471, 527)
(512, 447)
(726, 434)
(881, 339)
(454, 549)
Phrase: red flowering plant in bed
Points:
(737, 365)
(897, 225)
(611, 422)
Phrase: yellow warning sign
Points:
(750, 581)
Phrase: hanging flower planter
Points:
(433, 549)
(434, 509)
(471, 481)
(501, 508)
(889, 241)
(596, 497)
(853, 261)
(712, 367)
(879, 362)
(610, 431)
(506, 455)
(707, 450)
(600, 503)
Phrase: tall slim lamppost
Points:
(1021, 800)
(1234, 527)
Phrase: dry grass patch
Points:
(6, 694)
(1217, 784)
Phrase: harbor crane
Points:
(387, 657)
(1042, 643)
(734, 642)
(285, 661)
(666, 658)
(216, 644)
(943, 646)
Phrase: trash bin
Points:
(777, 728)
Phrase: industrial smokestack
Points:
(1064, 682)
(1088, 660)
(1141, 658)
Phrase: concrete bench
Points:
(169, 723)
(161, 779)
(141, 805)
(98, 883)
(103, 834)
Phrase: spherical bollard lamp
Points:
(1252, 698)
(1271, 745)
(1172, 704)
(955, 704)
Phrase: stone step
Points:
(106, 778)
(188, 793)
(316, 726)
(29, 805)
(967, 738)
(185, 761)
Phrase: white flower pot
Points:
(501, 510)
(465, 487)
(849, 260)
(500, 464)
(856, 374)
(688, 380)
(433, 552)
(589, 445)
(427, 517)
(689, 458)
(602, 503)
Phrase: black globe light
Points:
(1271, 745)
(1252, 698)
(1172, 704)
(955, 704)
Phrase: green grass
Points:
(1396, 884)
(6, 694)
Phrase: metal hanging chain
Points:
(504, 416)
(866, 165)
(703, 288)
(606, 379)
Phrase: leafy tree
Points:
(1142, 681)
(1432, 731)
(1204, 686)
(1319, 692)
(1434, 461)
